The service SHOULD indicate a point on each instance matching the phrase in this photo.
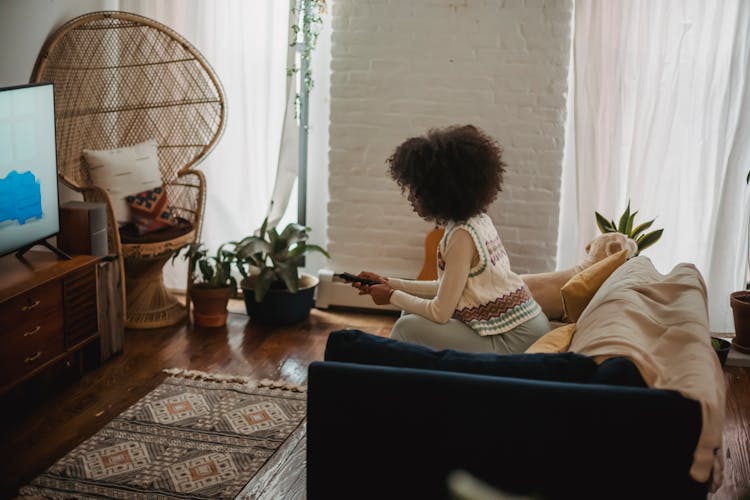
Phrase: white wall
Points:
(399, 68)
(25, 25)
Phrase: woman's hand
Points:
(371, 276)
(381, 294)
(365, 289)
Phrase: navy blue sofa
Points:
(386, 419)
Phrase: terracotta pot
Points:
(210, 305)
(740, 302)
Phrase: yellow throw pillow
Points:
(580, 289)
(557, 340)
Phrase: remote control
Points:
(352, 278)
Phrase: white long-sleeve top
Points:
(437, 300)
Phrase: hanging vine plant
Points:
(306, 25)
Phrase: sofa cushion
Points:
(556, 340)
(580, 289)
(124, 171)
(355, 346)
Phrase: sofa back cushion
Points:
(355, 346)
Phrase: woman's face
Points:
(415, 203)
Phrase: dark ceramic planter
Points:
(210, 305)
(280, 306)
(721, 348)
(740, 302)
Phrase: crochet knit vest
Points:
(495, 299)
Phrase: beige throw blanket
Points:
(660, 322)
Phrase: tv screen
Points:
(28, 166)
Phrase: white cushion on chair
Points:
(124, 171)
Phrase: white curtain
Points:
(246, 42)
(659, 114)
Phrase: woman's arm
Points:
(426, 289)
(458, 257)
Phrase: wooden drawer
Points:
(79, 299)
(28, 308)
(24, 349)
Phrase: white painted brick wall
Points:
(401, 67)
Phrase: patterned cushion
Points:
(150, 210)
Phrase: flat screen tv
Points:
(29, 206)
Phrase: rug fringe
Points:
(217, 377)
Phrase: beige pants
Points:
(458, 336)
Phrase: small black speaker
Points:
(83, 228)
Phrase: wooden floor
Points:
(45, 419)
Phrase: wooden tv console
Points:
(48, 313)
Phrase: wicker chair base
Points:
(149, 304)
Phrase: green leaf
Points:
(624, 220)
(640, 228)
(206, 270)
(263, 283)
(604, 224)
(304, 249)
(262, 233)
(287, 271)
(293, 233)
(248, 247)
(649, 239)
(629, 226)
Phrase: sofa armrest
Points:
(385, 432)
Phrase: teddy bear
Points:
(545, 287)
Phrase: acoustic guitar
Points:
(429, 267)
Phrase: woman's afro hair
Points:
(454, 172)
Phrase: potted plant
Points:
(740, 304)
(211, 282)
(627, 227)
(721, 347)
(273, 288)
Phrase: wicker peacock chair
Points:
(122, 79)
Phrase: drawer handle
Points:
(34, 357)
(32, 332)
(31, 306)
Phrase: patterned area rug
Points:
(195, 436)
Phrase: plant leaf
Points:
(293, 233)
(206, 270)
(303, 249)
(624, 220)
(640, 228)
(629, 226)
(603, 224)
(252, 245)
(287, 271)
(263, 283)
(262, 233)
(649, 239)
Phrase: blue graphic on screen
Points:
(20, 197)
(29, 209)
